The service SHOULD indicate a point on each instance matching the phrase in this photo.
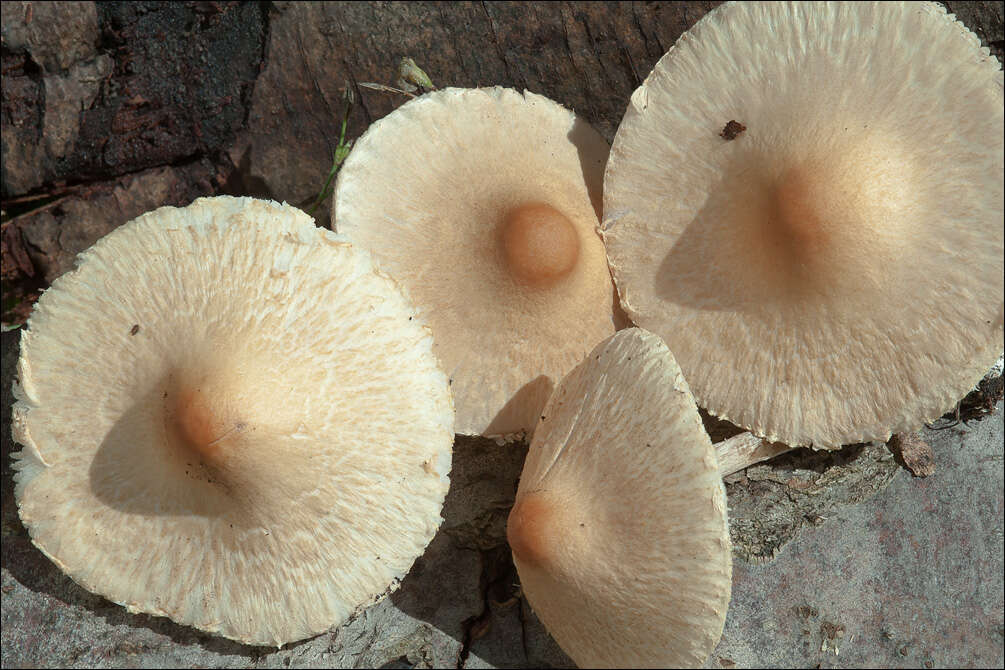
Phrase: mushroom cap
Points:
(833, 273)
(619, 529)
(230, 419)
(484, 204)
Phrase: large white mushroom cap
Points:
(484, 204)
(229, 418)
(834, 272)
(619, 529)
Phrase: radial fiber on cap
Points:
(832, 273)
(230, 419)
(619, 530)
(427, 189)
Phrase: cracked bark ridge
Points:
(503, 631)
(769, 503)
(54, 35)
(96, 91)
(53, 236)
(587, 56)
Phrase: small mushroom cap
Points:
(833, 273)
(230, 419)
(619, 529)
(484, 204)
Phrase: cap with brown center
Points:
(805, 200)
(229, 418)
(484, 204)
(619, 528)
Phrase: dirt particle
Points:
(732, 130)
(830, 637)
(135, 329)
(805, 611)
(912, 453)
(799, 484)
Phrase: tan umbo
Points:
(834, 273)
(484, 204)
(619, 529)
(230, 419)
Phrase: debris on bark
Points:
(912, 453)
(774, 500)
(978, 404)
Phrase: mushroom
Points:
(619, 529)
(833, 273)
(484, 204)
(265, 455)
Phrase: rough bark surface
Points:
(111, 109)
(97, 91)
(769, 503)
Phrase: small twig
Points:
(741, 451)
(385, 89)
(411, 77)
(38, 196)
(41, 208)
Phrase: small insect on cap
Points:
(619, 529)
(266, 454)
(484, 204)
(820, 241)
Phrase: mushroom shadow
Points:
(124, 473)
(465, 584)
(709, 269)
(30, 567)
(685, 278)
(241, 181)
(718, 429)
(524, 408)
(593, 151)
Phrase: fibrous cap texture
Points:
(230, 419)
(833, 273)
(619, 530)
(484, 204)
